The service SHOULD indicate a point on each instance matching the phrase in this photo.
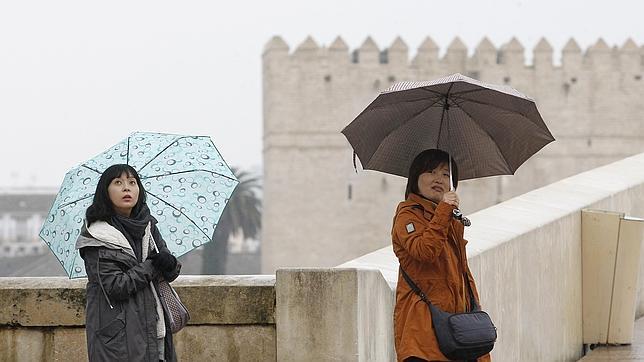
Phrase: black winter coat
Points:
(121, 314)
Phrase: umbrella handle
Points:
(451, 181)
(458, 215)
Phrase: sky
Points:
(79, 76)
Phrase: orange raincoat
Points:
(430, 247)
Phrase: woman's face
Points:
(433, 184)
(124, 193)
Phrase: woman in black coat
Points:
(124, 318)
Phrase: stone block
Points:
(61, 302)
(333, 315)
(226, 343)
(22, 344)
(53, 301)
(69, 344)
(228, 299)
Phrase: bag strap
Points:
(473, 304)
(414, 287)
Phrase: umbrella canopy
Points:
(488, 129)
(186, 180)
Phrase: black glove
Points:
(172, 274)
(164, 261)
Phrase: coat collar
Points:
(428, 205)
(104, 234)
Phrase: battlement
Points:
(627, 57)
(318, 89)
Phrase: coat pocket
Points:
(111, 331)
(111, 343)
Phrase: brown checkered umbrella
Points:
(488, 129)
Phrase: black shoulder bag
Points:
(461, 336)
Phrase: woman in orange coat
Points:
(430, 247)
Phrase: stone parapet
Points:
(58, 301)
(333, 315)
(42, 302)
(232, 318)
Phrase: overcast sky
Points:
(78, 76)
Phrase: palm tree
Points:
(242, 215)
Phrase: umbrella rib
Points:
(449, 93)
(89, 168)
(493, 106)
(71, 202)
(486, 132)
(442, 95)
(366, 164)
(508, 91)
(440, 127)
(471, 91)
(160, 152)
(465, 100)
(195, 170)
(172, 206)
(222, 160)
(407, 101)
(71, 268)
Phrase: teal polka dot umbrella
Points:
(187, 183)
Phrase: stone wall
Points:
(318, 211)
(232, 319)
(333, 315)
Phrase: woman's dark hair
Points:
(427, 161)
(101, 207)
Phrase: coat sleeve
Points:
(161, 244)
(422, 240)
(118, 284)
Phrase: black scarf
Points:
(133, 227)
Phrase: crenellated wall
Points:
(592, 102)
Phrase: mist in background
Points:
(77, 77)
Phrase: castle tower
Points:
(319, 212)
